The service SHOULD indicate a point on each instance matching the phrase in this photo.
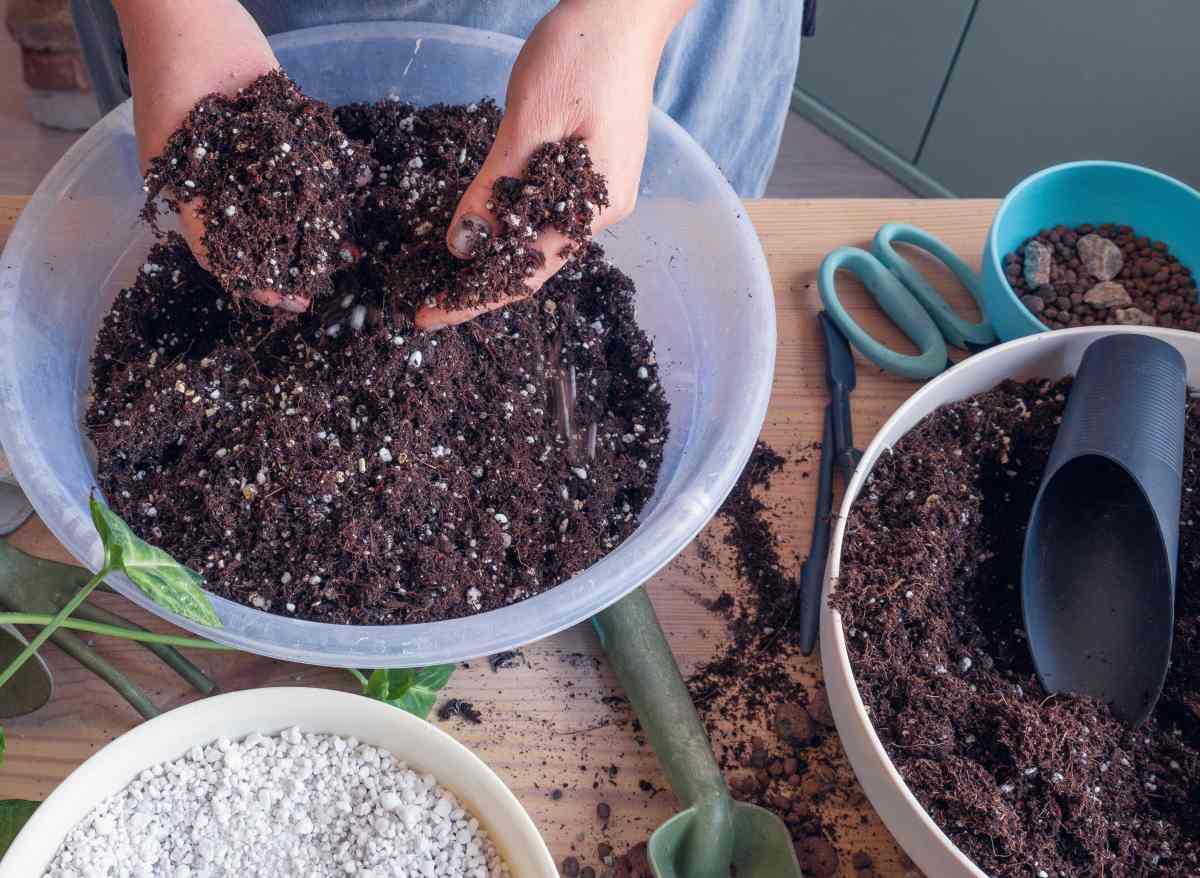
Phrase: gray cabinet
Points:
(1038, 83)
(969, 97)
(880, 64)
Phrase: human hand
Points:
(586, 71)
(178, 53)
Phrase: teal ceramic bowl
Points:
(1084, 192)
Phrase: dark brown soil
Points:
(343, 467)
(1024, 783)
(292, 190)
(276, 174)
(772, 733)
(751, 673)
(425, 159)
(465, 710)
(778, 760)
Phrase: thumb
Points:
(474, 222)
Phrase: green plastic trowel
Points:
(713, 833)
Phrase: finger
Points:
(191, 224)
(272, 299)
(558, 249)
(432, 319)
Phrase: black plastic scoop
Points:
(1098, 573)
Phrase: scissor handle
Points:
(897, 302)
(962, 334)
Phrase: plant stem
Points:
(355, 672)
(140, 635)
(195, 677)
(126, 688)
(44, 634)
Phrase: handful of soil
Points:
(342, 466)
(291, 190)
(1024, 783)
(274, 175)
(424, 161)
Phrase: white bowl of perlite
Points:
(287, 782)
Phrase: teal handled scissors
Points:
(909, 299)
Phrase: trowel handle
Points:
(638, 652)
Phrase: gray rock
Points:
(1033, 303)
(1133, 317)
(1037, 264)
(1101, 258)
(1108, 294)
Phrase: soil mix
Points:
(780, 758)
(275, 174)
(1026, 784)
(341, 466)
(290, 190)
(1102, 274)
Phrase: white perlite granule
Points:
(290, 805)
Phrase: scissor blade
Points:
(812, 572)
(841, 377)
(839, 362)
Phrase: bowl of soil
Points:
(286, 781)
(1150, 223)
(971, 765)
(498, 547)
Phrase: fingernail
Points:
(468, 233)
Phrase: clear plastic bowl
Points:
(704, 295)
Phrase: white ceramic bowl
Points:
(1045, 355)
(235, 715)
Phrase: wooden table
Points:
(545, 723)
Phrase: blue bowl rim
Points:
(993, 249)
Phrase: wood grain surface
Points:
(545, 725)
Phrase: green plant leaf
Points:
(383, 682)
(163, 579)
(412, 689)
(13, 815)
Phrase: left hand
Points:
(586, 71)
